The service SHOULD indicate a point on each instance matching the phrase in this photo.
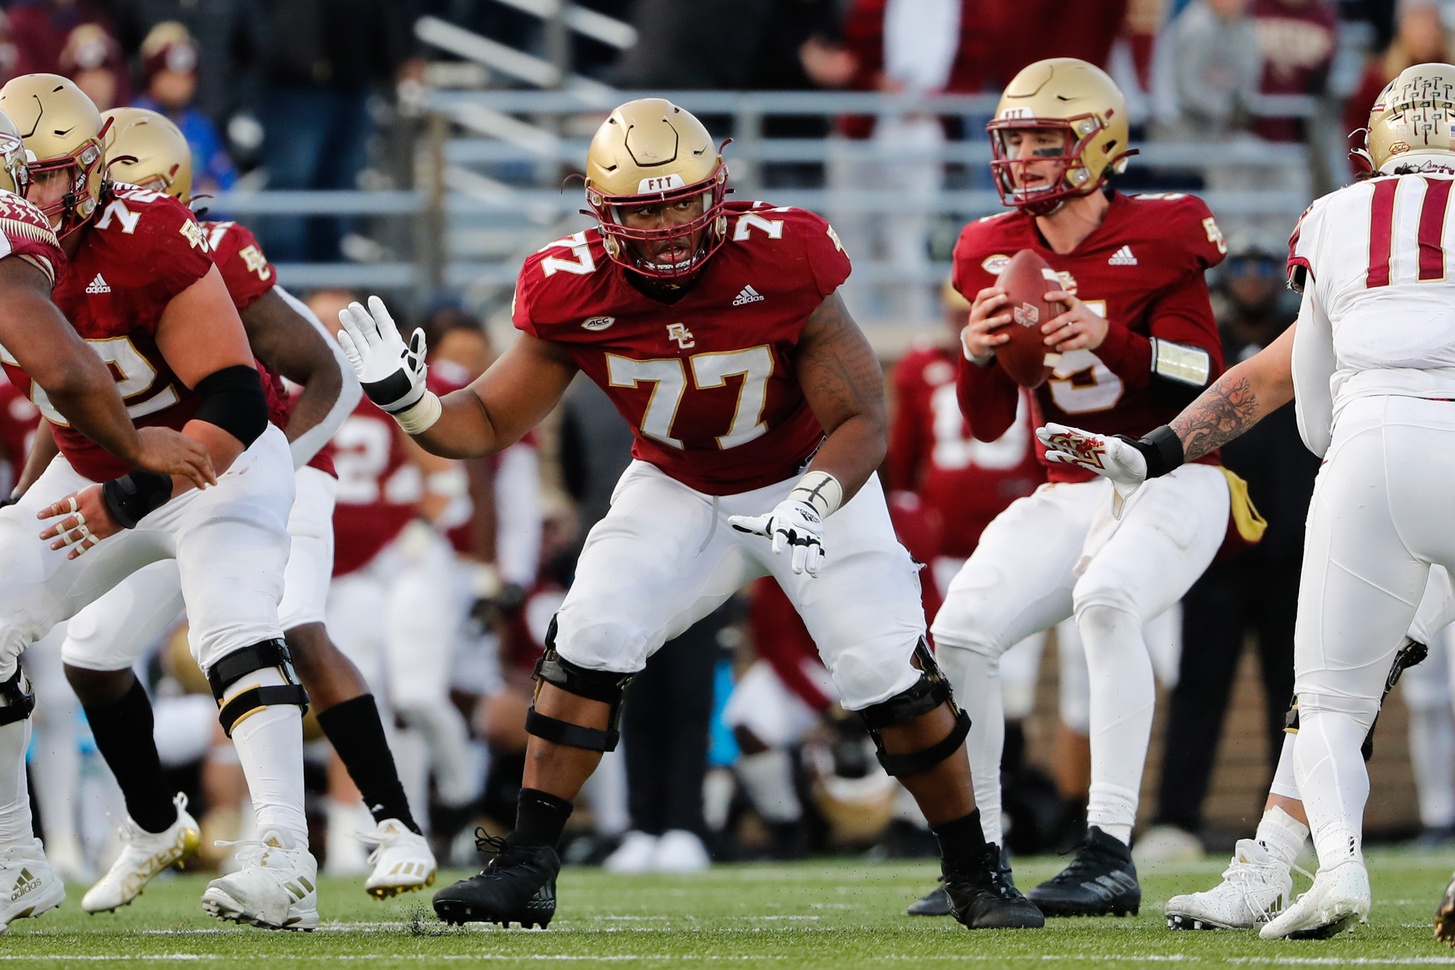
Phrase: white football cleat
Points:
(143, 855)
(1339, 897)
(402, 860)
(635, 854)
(1255, 888)
(276, 888)
(680, 851)
(28, 884)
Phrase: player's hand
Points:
(989, 311)
(80, 520)
(1078, 328)
(1108, 456)
(169, 452)
(391, 372)
(791, 525)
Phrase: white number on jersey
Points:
(954, 448)
(754, 366)
(581, 263)
(134, 379)
(361, 457)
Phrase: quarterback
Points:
(758, 413)
(141, 288)
(1370, 365)
(1137, 338)
(104, 640)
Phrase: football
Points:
(1025, 357)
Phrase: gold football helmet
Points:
(1410, 123)
(62, 132)
(146, 149)
(14, 172)
(1079, 100)
(646, 159)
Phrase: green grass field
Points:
(837, 914)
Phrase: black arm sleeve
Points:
(233, 399)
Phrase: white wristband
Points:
(821, 490)
(421, 415)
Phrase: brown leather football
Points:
(1026, 279)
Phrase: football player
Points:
(103, 642)
(1370, 366)
(61, 369)
(1136, 338)
(758, 410)
(141, 287)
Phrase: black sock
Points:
(123, 733)
(356, 733)
(540, 818)
(962, 843)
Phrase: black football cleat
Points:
(518, 885)
(936, 902)
(1100, 881)
(987, 899)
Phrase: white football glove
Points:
(791, 525)
(391, 372)
(1107, 455)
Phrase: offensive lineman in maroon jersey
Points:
(718, 333)
(1137, 341)
(145, 149)
(141, 288)
(38, 341)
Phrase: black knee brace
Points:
(931, 691)
(232, 668)
(18, 698)
(606, 686)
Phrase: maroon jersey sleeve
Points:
(987, 394)
(26, 232)
(240, 259)
(824, 253)
(165, 229)
(908, 436)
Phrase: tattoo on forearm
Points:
(1222, 413)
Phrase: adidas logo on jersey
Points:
(98, 285)
(1122, 257)
(748, 295)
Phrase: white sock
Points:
(1285, 782)
(1281, 834)
(15, 821)
(768, 779)
(269, 746)
(1334, 782)
(1123, 695)
(1432, 738)
(975, 678)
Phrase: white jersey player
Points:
(1370, 363)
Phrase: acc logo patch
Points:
(995, 265)
(597, 323)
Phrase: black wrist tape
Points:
(135, 495)
(1161, 448)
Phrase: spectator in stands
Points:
(169, 65)
(1209, 67)
(1255, 593)
(323, 62)
(93, 59)
(1419, 38)
(40, 28)
(1297, 39)
(914, 47)
(230, 38)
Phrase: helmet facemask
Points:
(78, 171)
(696, 238)
(14, 169)
(1072, 177)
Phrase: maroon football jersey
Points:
(18, 420)
(379, 488)
(26, 232)
(932, 453)
(707, 384)
(139, 251)
(1142, 269)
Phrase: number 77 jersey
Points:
(707, 383)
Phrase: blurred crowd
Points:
(447, 574)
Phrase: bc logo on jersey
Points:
(680, 333)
